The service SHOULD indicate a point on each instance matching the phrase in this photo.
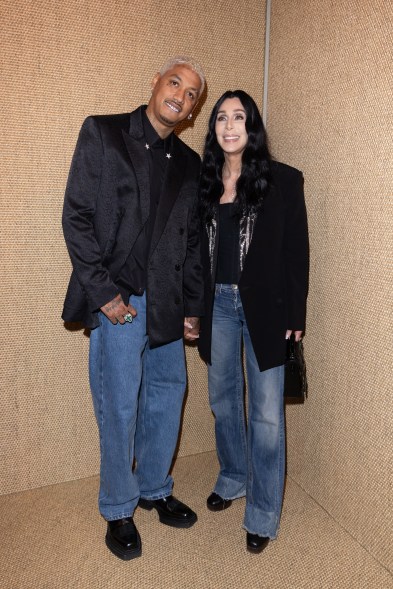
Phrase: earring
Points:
(189, 116)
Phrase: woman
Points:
(255, 256)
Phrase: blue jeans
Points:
(137, 395)
(252, 456)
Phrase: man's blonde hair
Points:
(187, 61)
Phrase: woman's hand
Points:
(191, 328)
(298, 335)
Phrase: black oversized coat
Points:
(274, 282)
(107, 203)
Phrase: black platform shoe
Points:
(171, 511)
(216, 503)
(255, 543)
(123, 539)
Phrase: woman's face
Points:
(231, 126)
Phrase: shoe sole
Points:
(257, 550)
(221, 507)
(165, 519)
(121, 553)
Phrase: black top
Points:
(132, 278)
(228, 261)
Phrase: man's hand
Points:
(191, 328)
(298, 335)
(116, 309)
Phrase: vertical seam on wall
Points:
(266, 66)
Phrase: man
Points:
(131, 228)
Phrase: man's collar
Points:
(151, 135)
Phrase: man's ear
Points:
(155, 80)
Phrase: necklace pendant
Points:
(168, 155)
(147, 146)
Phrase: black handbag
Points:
(295, 382)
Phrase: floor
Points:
(53, 538)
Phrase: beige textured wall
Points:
(61, 61)
(330, 114)
(330, 106)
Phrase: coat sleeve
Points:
(80, 202)
(193, 285)
(296, 252)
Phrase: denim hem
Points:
(261, 534)
(156, 497)
(229, 489)
(160, 492)
(229, 497)
(262, 523)
(113, 518)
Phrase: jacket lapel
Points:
(136, 210)
(172, 183)
(137, 152)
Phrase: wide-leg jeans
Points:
(137, 395)
(252, 455)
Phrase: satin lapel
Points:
(139, 161)
(170, 190)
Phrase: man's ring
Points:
(128, 317)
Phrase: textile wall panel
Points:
(60, 62)
(330, 114)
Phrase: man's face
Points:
(174, 95)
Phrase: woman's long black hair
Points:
(253, 183)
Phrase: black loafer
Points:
(256, 543)
(216, 503)
(123, 539)
(171, 511)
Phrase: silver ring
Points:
(128, 317)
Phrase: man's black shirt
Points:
(133, 276)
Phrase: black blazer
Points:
(107, 203)
(274, 282)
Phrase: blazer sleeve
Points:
(193, 285)
(296, 252)
(80, 203)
